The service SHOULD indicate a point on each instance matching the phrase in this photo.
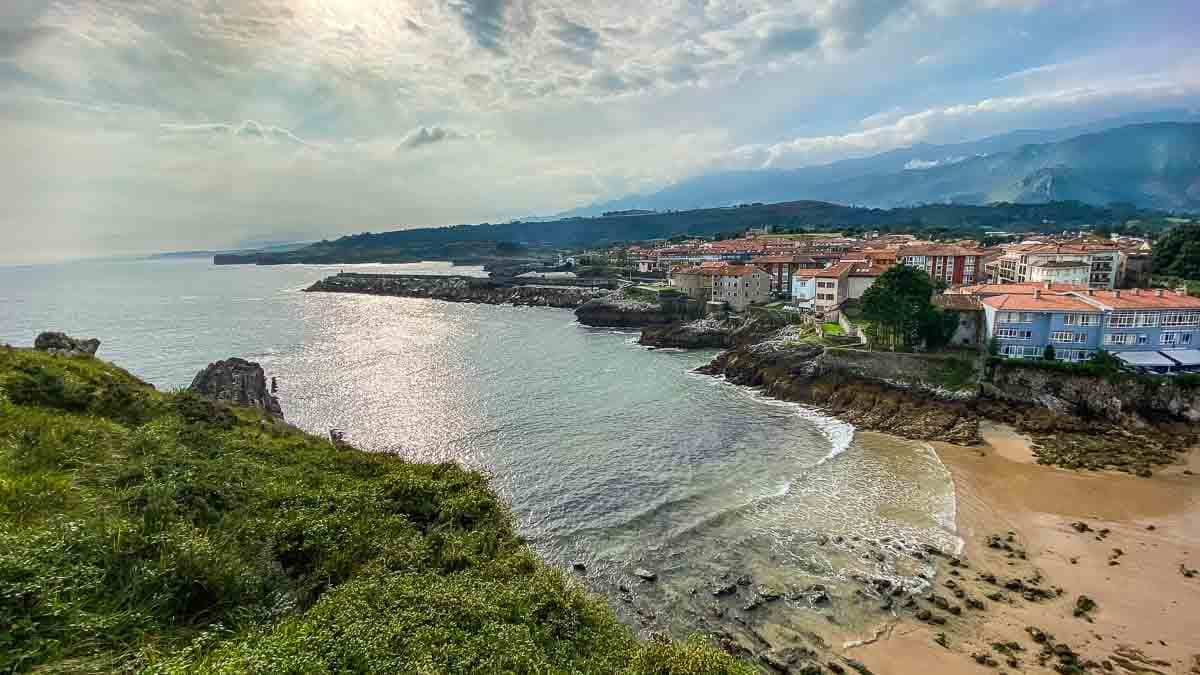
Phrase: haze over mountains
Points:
(1149, 159)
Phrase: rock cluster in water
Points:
(237, 381)
(63, 344)
(621, 310)
(711, 332)
(458, 289)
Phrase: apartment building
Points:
(781, 268)
(955, 265)
(738, 285)
(741, 286)
(1153, 329)
(1097, 265)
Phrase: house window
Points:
(1120, 339)
(1175, 338)
(1019, 352)
(1015, 317)
(1122, 319)
(1067, 336)
(1143, 339)
(1181, 318)
(1081, 320)
(1014, 334)
(1072, 355)
(1147, 319)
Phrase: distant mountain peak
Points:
(989, 169)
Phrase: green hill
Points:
(467, 242)
(166, 533)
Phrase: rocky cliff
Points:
(1074, 421)
(796, 371)
(62, 344)
(711, 332)
(237, 381)
(1132, 399)
(621, 309)
(457, 289)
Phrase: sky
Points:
(131, 126)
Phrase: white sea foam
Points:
(948, 517)
(839, 433)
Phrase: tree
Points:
(1178, 253)
(899, 306)
(993, 346)
(1048, 353)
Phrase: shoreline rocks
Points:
(866, 391)
(237, 381)
(710, 333)
(60, 343)
(619, 310)
(458, 289)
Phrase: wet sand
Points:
(1148, 615)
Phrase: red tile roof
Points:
(1026, 288)
(1146, 299)
(739, 271)
(1043, 303)
(936, 250)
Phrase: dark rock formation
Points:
(620, 310)
(237, 381)
(61, 343)
(1135, 400)
(923, 397)
(711, 333)
(458, 289)
(795, 372)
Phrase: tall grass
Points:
(167, 533)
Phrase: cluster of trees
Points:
(902, 315)
(1178, 253)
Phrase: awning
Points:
(1145, 359)
(1184, 357)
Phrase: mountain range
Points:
(1151, 160)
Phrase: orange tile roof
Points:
(936, 250)
(1148, 299)
(1044, 303)
(835, 271)
(958, 302)
(1026, 288)
(779, 259)
(739, 271)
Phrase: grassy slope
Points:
(163, 532)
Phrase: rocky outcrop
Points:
(1132, 399)
(711, 333)
(1075, 421)
(458, 289)
(794, 371)
(237, 381)
(619, 309)
(61, 343)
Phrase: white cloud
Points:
(982, 117)
(138, 124)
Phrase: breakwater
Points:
(460, 289)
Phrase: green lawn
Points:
(142, 531)
(832, 328)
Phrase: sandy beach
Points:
(1122, 541)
